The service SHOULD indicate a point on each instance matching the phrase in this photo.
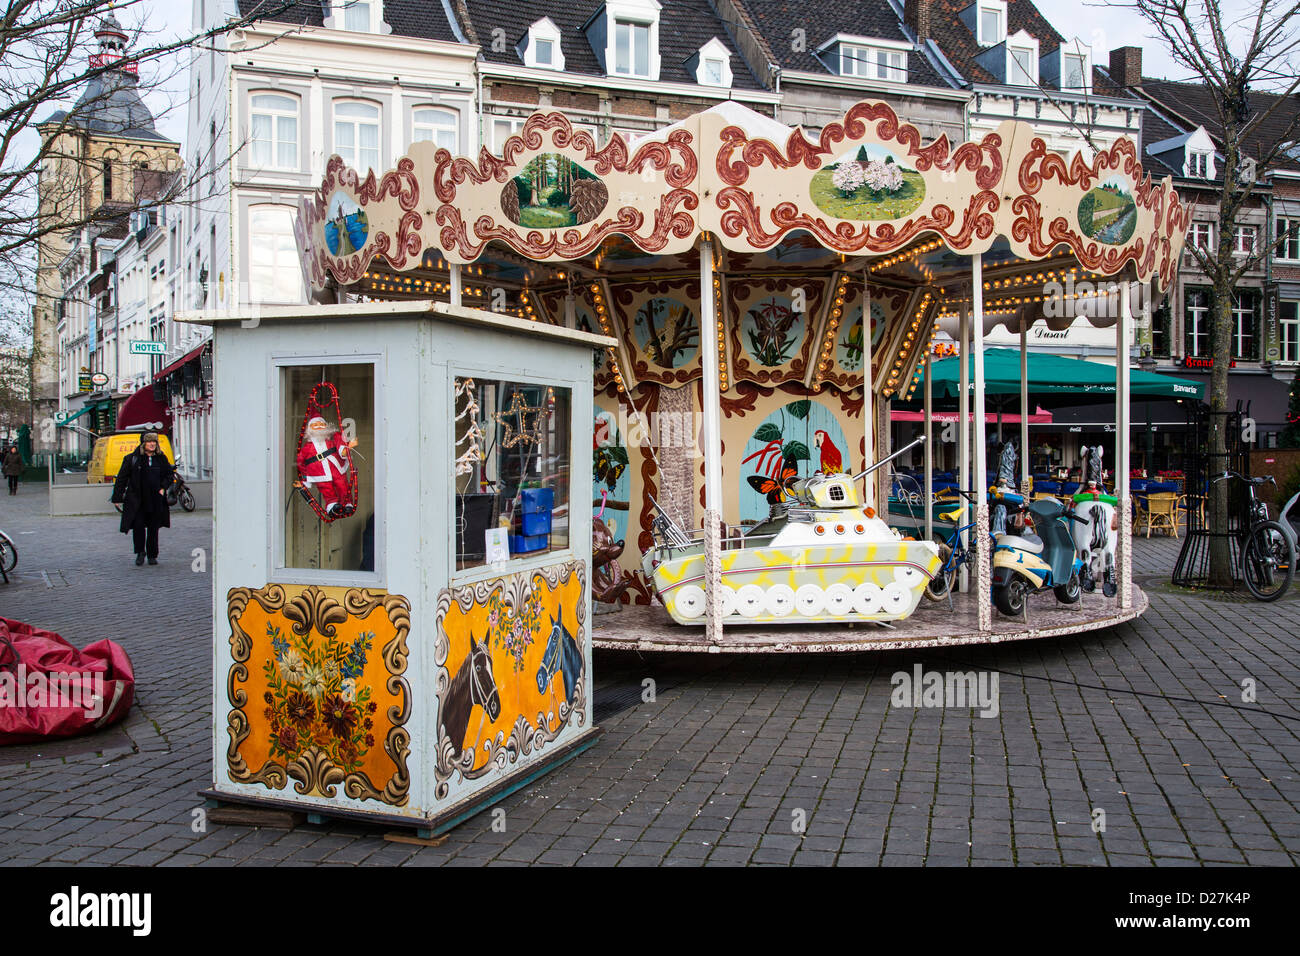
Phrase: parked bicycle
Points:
(953, 552)
(1269, 551)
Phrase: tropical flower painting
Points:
(667, 332)
(611, 483)
(313, 697)
(346, 226)
(849, 347)
(867, 183)
(552, 192)
(796, 440)
(773, 331)
(1108, 213)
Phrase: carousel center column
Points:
(711, 399)
(983, 569)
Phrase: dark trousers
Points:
(13, 484)
(146, 538)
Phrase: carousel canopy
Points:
(866, 187)
(1055, 374)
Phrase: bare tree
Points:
(1251, 69)
(55, 73)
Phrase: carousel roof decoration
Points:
(617, 228)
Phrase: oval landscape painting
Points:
(1108, 213)
(867, 183)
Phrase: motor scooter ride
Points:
(1035, 561)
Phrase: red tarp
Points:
(49, 689)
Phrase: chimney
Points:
(1126, 66)
(916, 14)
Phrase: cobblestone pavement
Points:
(1144, 722)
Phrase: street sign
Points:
(146, 347)
(83, 383)
(99, 378)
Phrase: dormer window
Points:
(632, 48)
(541, 47)
(624, 35)
(1072, 72)
(1198, 164)
(987, 19)
(865, 57)
(359, 16)
(711, 64)
(1021, 68)
(1068, 67)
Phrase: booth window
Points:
(510, 464)
(348, 542)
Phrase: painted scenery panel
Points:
(867, 183)
(796, 440)
(770, 322)
(1108, 213)
(553, 192)
(659, 325)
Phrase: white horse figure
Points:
(1095, 541)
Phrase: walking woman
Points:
(141, 490)
(12, 468)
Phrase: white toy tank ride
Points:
(821, 557)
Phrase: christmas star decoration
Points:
(528, 418)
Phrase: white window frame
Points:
(452, 127)
(543, 30)
(1239, 233)
(1197, 318)
(1198, 164)
(341, 9)
(1288, 330)
(862, 57)
(356, 123)
(260, 251)
(1000, 11)
(1015, 68)
(1202, 234)
(633, 27)
(1243, 317)
(1082, 85)
(275, 114)
(499, 136)
(1287, 250)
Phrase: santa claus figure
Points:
(323, 463)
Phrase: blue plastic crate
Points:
(535, 523)
(534, 500)
(522, 544)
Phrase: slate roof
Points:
(425, 19)
(684, 27)
(1193, 104)
(777, 21)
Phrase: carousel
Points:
(764, 297)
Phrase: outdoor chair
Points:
(1162, 512)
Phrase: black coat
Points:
(134, 491)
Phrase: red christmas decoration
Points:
(325, 459)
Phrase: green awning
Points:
(74, 417)
(1056, 374)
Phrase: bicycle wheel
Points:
(941, 583)
(1268, 561)
(8, 553)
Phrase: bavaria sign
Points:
(138, 347)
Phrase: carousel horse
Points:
(1096, 540)
(472, 686)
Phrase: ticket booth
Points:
(402, 552)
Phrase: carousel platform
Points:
(649, 628)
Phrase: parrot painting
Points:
(832, 463)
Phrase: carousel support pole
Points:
(712, 442)
(453, 272)
(963, 432)
(983, 569)
(1024, 407)
(868, 395)
(928, 498)
(1124, 541)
